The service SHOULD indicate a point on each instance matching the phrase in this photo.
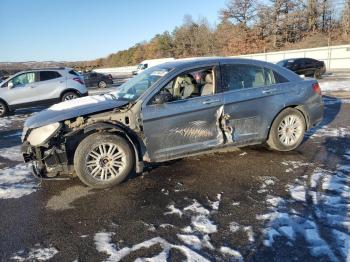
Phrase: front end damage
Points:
(55, 156)
(46, 163)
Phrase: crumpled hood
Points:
(73, 108)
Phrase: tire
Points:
(93, 164)
(317, 74)
(3, 109)
(102, 84)
(69, 96)
(287, 131)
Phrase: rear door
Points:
(253, 95)
(49, 85)
(187, 124)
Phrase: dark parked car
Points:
(170, 111)
(305, 66)
(93, 79)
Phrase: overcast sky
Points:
(86, 29)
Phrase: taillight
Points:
(317, 89)
(110, 77)
(77, 79)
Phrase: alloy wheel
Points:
(70, 97)
(102, 84)
(105, 162)
(290, 130)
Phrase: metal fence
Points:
(335, 57)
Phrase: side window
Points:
(48, 75)
(237, 77)
(199, 82)
(23, 79)
(279, 78)
(72, 72)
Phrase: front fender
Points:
(124, 131)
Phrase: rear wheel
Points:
(102, 84)
(103, 160)
(69, 96)
(317, 74)
(3, 109)
(287, 131)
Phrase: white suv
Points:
(40, 87)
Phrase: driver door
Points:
(185, 125)
(21, 89)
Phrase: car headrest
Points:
(209, 78)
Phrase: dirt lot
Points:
(248, 204)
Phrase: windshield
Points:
(136, 86)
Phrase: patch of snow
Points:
(288, 232)
(329, 132)
(330, 86)
(35, 254)
(236, 204)
(16, 182)
(232, 253)
(250, 233)
(12, 153)
(165, 191)
(297, 192)
(191, 240)
(203, 224)
(234, 227)
(5, 122)
(173, 210)
(329, 192)
(243, 154)
(103, 242)
(197, 208)
(215, 204)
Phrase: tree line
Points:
(246, 26)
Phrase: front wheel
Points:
(287, 131)
(103, 160)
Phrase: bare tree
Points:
(240, 11)
(346, 19)
(312, 15)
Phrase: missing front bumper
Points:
(46, 163)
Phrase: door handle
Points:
(269, 91)
(208, 102)
(32, 86)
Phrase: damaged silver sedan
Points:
(177, 109)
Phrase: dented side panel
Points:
(182, 127)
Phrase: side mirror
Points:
(162, 98)
(10, 84)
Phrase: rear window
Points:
(48, 75)
(72, 72)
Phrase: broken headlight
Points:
(41, 135)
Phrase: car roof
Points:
(188, 62)
(43, 69)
